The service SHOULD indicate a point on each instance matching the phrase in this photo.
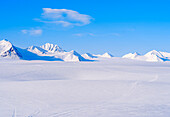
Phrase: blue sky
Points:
(115, 26)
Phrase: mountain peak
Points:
(8, 50)
(107, 55)
(5, 45)
(37, 50)
(88, 56)
(131, 55)
(4, 40)
(136, 53)
(154, 53)
(73, 56)
(52, 48)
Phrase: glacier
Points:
(112, 87)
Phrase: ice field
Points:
(106, 88)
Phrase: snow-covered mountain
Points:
(51, 48)
(131, 55)
(96, 56)
(72, 56)
(88, 56)
(51, 52)
(165, 54)
(7, 50)
(37, 50)
(46, 48)
(105, 55)
(48, 52)
(56, 52)
(153, 56)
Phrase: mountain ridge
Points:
(52, 52)
(152, 56)
(47, 52)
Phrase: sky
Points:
(93, 26)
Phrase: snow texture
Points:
(111, 87)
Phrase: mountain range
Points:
(154, 56)
(52, 52)
(47, 52)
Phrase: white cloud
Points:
(64, 17)
(32, 31)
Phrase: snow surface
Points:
(111, 87)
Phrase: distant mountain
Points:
(37, 50)
(56, 52)
(95, 57)
(165, 54)
(88, 56)
(72, 56)
(107, 55)
(153, 56)
(7, 50)
(131, 55)
(51, 48)
(51, 52)
(47, 52)
(45, 49)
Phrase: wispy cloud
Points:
(130, 29)
(91, 34)
(64, 17)
(78, 34)
(115, 34)
(83, 34)
(32, 31)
